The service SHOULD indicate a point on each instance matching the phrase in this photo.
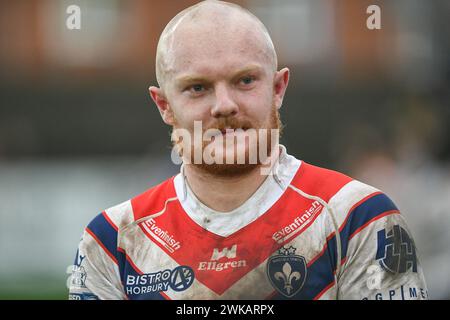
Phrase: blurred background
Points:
(79, 132)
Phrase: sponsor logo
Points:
(182, 278)
(79, 275)
(162, 236)
(396, 251)
(178, 279)
(402, 293)
(293, 228)
(228, 253)
(287, 271)
(375, 276)
(83, 296)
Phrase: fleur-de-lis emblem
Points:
(287, 272)
(287, 276)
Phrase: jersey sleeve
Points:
(379, 256)
(95, 273)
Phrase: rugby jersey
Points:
(306, 233)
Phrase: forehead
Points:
(201, 48)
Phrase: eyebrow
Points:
(198, 78)
(249, 69)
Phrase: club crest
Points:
(287, 271)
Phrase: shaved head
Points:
(216, 65)
(205, 24)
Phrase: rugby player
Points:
(270, 226)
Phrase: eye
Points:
(247, 80)
(197, 88)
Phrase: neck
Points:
(222, 193)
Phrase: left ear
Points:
(280, 83)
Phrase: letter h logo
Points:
(396, 251)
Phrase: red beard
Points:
(236, 168)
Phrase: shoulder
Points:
(105, 226)
(320, 182)
(358, 210)
(353, 204)
(337, 189)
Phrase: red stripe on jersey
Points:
(270, 296)
(102, 245)
(342, 263)
(110, 221)
(332, 234)
(320, 182)
(165, 295)
(135, 267)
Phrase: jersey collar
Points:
(226, 223)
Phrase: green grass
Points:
(37, 287)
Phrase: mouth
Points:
(230, 130)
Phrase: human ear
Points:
(280, 84)
(161, 102)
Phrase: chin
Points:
(227, 170)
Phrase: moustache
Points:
(229, 123)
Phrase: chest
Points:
(284, 254)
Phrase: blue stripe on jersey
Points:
(321, 273)
(121, 261)
(105, 233)
(366, 211)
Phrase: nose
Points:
(225, 105)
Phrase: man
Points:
(232, 224)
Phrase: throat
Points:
(221, 193)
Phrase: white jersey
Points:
(306, 233)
